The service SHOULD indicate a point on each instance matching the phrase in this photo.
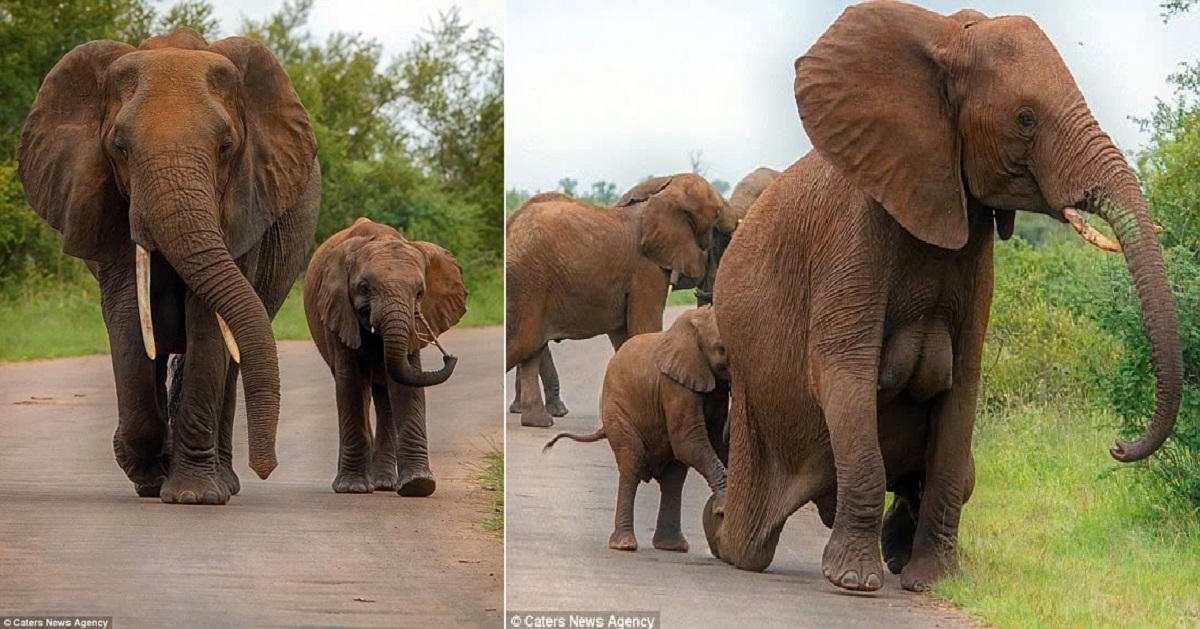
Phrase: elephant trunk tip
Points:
(1132, 451)
(264, 465)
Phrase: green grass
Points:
(681, 298)
(52, 323)
(1058, 535)
(63, 321)
(491, 476)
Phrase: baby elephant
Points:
(663, 406)
(373, 299)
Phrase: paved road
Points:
(286, 552)
(560, 513)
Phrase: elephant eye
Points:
(119, 144)
(225, 146)
(363, 288)
(1026, 119)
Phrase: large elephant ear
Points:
(872, 97)
(332, 288)
(67, 176)
(279, 151)
(445, 299)
(679, 356)
(677, 222)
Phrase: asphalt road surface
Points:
(559, 513)
(286, 552)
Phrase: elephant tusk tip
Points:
(230, 342)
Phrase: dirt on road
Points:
(559, 514)
(286, 552)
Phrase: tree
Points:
(722, 186)
(568, 186)
(603, 193)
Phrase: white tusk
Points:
(674, 280)
(1089, 233)
(143, 297)
(230, 342)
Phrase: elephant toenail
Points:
(187, 497)
(850, 579)
(872, 582)
(211, 497)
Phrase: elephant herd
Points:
(850, 302)
(185, 174)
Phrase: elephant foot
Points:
(191, 490)
(672, 541)
(556, 408)
(147, 472)
(622, 540)
(899, 526)
(537, 418)
(515, 407)
(385, 477)
(851, 561)
(352, 483)
(416, 482)
(922, 570)
(232, 483)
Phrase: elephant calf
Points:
(663, 406)
(373, 299)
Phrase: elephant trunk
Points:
(181, 221)
(396, 330)
(1124, 207)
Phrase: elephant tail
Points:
(596, 436)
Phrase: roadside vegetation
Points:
(491, 477)
(415, 142)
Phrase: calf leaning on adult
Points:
(373, 299)
(663, 406)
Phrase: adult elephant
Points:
(745, 193)
(862, 373)
(185, 174)
(574, 271)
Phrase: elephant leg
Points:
(900, 523)
(354, 434)
(195, 463)
(533, 411)
(140, 441)
(848, 399)
(618, 338)
(691, 446)
(415, 479)
(668, 533)
(383, 466)
(515, 407)
(549, 374)
(622, 537)
(225, 438)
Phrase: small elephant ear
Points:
(872, 98)
(679, 356)
(643, 191)
(67, 176)
(333, 290)
(445, 300)
(280, 149)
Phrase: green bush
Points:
(1066, 328)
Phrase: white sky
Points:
(393, 22)
(622, 89)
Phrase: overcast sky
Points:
(622, 89)
(393, 22)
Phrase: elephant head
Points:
(183, 148)
(935, 117)
(374, 281)
(691, 353)
(677, 217)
